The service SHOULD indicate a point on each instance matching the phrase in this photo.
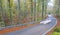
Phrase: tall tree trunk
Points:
(42, 9)
(3, 14)
(10, 11)
(32, 9)
(19, 11)
(46, 8)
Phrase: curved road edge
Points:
(51, 28)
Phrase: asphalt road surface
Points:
(40, 29)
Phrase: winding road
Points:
(40, 29)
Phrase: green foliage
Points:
(56, 31)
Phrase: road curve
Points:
(40, 29)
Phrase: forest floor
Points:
(58, 23)
(7, 30)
